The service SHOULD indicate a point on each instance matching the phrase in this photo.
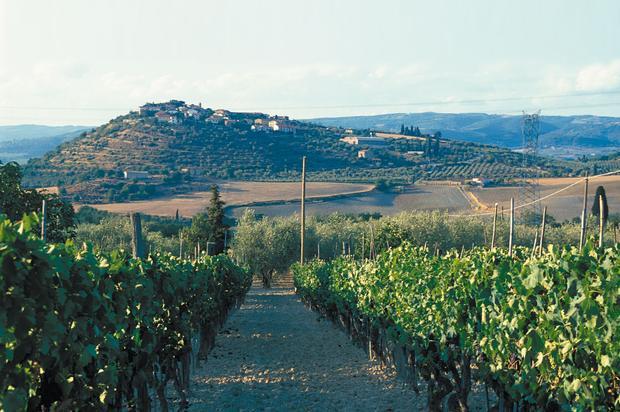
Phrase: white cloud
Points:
(599, 77)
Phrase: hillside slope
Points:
(176, 148)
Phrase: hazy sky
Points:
(86, 61)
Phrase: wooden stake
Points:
(533, 253)
(225, 238)
(542, 231)
(615, 235)
(494, 228)
(601, 222)
(371, 252)
(318, 249)
(363, 244)
(44, 221)
(180, 245)
(582, 235)
(137, 246)
(512, 225)
(303, 210)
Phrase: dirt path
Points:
(274, 354)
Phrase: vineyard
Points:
(90, 331)
(540, 331)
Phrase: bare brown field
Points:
(235, 193)
(565, 205)
(423, 197)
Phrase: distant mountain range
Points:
(22, 142)
(593, 133)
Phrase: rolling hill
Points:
(586, 132)
(174, 147)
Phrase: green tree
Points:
(16, 201)
(596, 211)
(215, 220)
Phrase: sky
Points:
(85, 62)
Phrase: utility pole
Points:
(303, 210)
(43, 221)
(601, 222)
(512, 225)
(584, 211)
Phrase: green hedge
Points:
(87, 331)
(542, 331)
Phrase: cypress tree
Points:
(600, 192)
(215, 220)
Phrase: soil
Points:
(274, 354)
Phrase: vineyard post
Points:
(363, 244)
(198, 249)
(137, 246)
(303, 209)
(180, 244)
(494, 228)
(601, 221)
(582, 235)
(502, 213)
(371, 248)
(542, 230)
(512, 225)
(43, 220)
(615, 235)
(225, 238)
(535, 243)
(318, 249)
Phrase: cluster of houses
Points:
(175, 111)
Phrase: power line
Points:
(557, 192)
(372, 105)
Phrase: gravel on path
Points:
(274, 354)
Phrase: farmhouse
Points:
(281, 126)
(135, 175)
(365, 154)
(376, 142)
(481, 181)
